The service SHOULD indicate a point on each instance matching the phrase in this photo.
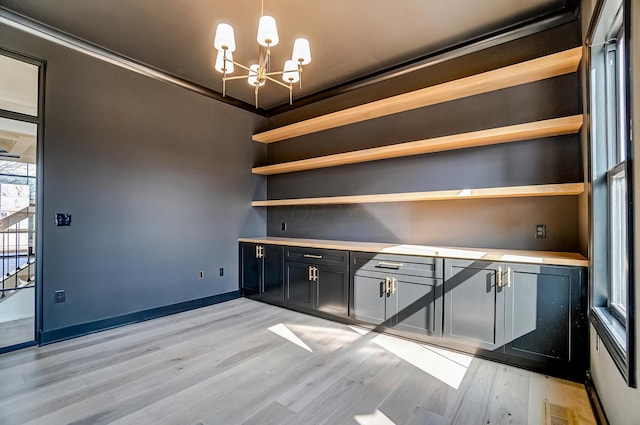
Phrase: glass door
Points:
(19, 128)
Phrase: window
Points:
(611, 198)
(616, 173)
(618, 269)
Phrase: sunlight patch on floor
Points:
(375, 418)
(283, 331)
(448, 367)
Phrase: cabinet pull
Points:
(387, 286)
(319, 257)
(500, 277)
(388, 265)
(393, 285)
(508, 277)
(259, 251)
(310, 274)
(315, 274)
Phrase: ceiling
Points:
(18, 93)
(348, 39)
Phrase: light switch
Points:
(63, 219)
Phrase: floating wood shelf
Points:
(513, 133)
(525, 72)
(441, 195)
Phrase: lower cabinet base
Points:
(575, 371)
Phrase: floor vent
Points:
(559, 415)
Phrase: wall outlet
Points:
(221, 271)
(201, 275)
(541, 230)
(59, 296)
(283, 227)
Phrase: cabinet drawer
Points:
(328, 257)
(397, 264)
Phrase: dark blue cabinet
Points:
(473, 304)
(532, 314)
(544, 313)
(317, 279)
(261, 271)
(403, 293)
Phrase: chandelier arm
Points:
(239, 65)
(278, 82)
(237, 77)
(274, 73)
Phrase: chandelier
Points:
(259, 73)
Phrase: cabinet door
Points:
(416, 305)
(250, 269)
(299, 287)
(473, 304)
(332, 294)
(273, 282)
(368, 297)
(541, 303)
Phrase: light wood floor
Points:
(244, 362)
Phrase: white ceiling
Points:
(18, 138)
(348, 38)
(18, 93)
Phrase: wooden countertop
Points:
(506, 255)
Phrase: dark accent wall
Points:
(556, 39)
(158, 183)
(494, 223)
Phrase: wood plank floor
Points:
(244, 362)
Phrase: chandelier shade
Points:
(267, 32)
(301, 51)
(290, 73)
(224, 66)
(224, 38)
(254, 73)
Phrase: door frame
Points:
(39, 221)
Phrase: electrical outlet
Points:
(201, 275)
(221, 271)
(541, 230)
(59, 296)
(283, 227)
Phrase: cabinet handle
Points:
(319, 257)
(310, 274)
(387, 286)
(388, 265)
(393, 285)
(257, 251)
(508, 277)
(500, 277)
(315, 274)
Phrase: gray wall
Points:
(157, 180)
(621, 403)
(499, 223)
